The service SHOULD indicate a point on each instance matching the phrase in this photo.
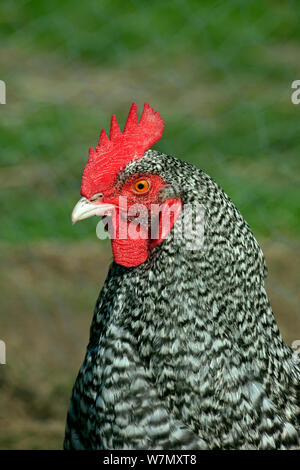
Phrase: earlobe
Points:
(169, 212)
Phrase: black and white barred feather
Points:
(184, 351)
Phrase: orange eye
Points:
(141, 186)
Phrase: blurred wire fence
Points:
(219, 73)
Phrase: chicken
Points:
(184, 350)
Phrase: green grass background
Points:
(220, 74)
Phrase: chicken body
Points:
(184, 351)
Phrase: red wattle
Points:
(131, 252)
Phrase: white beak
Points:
(85, 208)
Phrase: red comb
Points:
(112, 154)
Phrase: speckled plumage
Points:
(184, 351)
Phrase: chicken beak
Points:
(85, 208)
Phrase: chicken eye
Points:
(141, 186)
